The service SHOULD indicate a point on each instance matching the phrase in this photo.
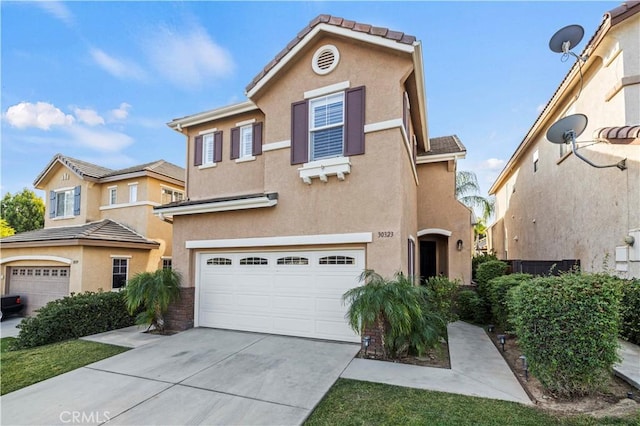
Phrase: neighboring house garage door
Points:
(290, 293)
(38, 285)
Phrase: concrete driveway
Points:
(199, 376)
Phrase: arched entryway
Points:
(434, 248)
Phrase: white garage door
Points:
(38, 285)
(290, 293)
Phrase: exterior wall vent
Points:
(325, 59)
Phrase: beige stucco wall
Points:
(438, 208)
(568, 209)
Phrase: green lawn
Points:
(28, 366)
(351, 402)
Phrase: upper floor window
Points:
(208, 148)
(171, 195)
(113, 195)
(536, 161)
(246, 140)
(64, 202)
(328, 126)
(133, 192)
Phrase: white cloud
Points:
(119, 68)
(189, 59)
(42, 115)
(492, 164)
(100, 139)
(58, 10)
(88, 116)
(120, 113)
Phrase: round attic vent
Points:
(325, 59)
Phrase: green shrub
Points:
(72, 317)
(150, 294)
(567, 327)
(479, 259)
(470, 307)
(398, 310)
(630, 311)
(497, 289)
(441, 292)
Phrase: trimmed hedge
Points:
(497, 290)
(488, 271)
(440, 293)
(567, 326)
(470, 307)
(479, 259)
(630, 311)
(72, 317)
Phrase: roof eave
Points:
(214, 114)
(436, 158)
(422, 103)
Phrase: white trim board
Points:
(36, 257)
(294, 240)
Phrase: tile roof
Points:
(445, 145)
(620, 132)
(400, 37)
(104, 230)
(623, 11)
(94, 172)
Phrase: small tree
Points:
(23, 211)
(152, 292)
(5, 229)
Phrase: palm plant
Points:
(152, 292)
(468, 193)
(398, 310)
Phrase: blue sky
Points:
(98, 81)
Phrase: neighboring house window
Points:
(120, 271)
(536, 159)
(171, 195)
(113, 196)
(133, 192)
(208, 149)
(64, 203)
(246, 141)
(166, 264)
(328, 126)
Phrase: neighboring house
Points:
(551, 205)
(99, 230)
(326, 170)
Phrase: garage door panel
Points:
(292, 294)
(38, 285)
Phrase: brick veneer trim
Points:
(180, 314)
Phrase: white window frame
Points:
(208, 147)
(68, 203)
(133, 192)
(320, 101)
(246, 141)
(126, 278)
(173, 192)
(113, 195)
(536, 161)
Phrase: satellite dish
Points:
(566, 38)
(563, 130)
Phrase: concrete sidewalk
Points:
(130, 337)
(629, 368)
(477, 369)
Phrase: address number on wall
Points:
(385, 234)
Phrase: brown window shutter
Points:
(197, 155)
(217, 147)
(257, 138)
(354, 121)
(235, 143)
(299, 132)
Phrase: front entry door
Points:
(428, 263)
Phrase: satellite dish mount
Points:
(566, 131)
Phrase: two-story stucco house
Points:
(99, 230)
(326, 169)
(550, 204)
